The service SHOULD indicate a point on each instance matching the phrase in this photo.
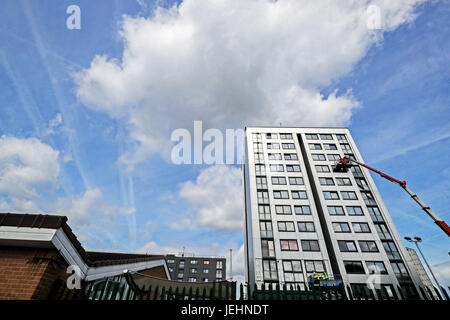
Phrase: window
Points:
(289, 146)
(302, 210)
(382, 231)
(375, 214)
(270, 270)
(314, 266)
(321, 168)
(290, 156)
(206, 262)
(315, 146)
(260, 169)
(310, 245)
(330, 195)
(274, 156)
(347, 246)
(170, 270)
(341, 137)
(362, 184)
(296, 181)
(399, 269)
(292, 271)
(368, 246)
(285, 136)
(343, 182)
(333, 157)
(170, 261)
(271, 136)
(326, 181)
(218, 274)
(219, 264)
(268, 249)
(348, 195)
(281, 194)
(180, 275)
(335, 211)
(266, 229)
(276, 168)
(368, 198)
(376, 267)
(346, 148)
(181, 265)
(286, 226)
(192, 279)
(292, 168)
(193, 270)
(341, 227)
(261, 182)
(318, 157)
(356, 170)
(326, 137)
(263, 197)
(391, 250)
(329, 146)
(256, 136)
(299, 195)
(360, 227)
(306, 227)
(257, 146)
(289, 245)
(354, 267)
(283, 209)
(259, 157)
(271, 146)
(278, 180)
(264, 212)
(194, 261)
(312, 137)
(205, 270)
(354, 211)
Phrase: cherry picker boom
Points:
(345, 163)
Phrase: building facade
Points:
(196, 269)
(303, 219)
(421, 272)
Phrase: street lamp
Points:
(416, 241)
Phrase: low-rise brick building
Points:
(36, 251)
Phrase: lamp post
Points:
(416, 241)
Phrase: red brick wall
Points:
(28, 273)
(157, 272)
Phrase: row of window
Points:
(261, 182)
(271, 136)
(292, 269)
(314, 136)
(268, 248)
(206, 262)
(263, 196)
(276, 146)
(261, 168)
(346, 195)
(259, 156)
(364, 246)
(285, 226)
(264, 210)
(378, 267)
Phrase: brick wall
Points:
(28, 273)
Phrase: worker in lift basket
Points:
(316, 277)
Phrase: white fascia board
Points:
(26, 234)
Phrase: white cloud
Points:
(215, 197)
(442, 273)
(26, 164)
(234, 63)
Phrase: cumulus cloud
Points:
(234, 63)
(26, 164)
(215, 197)
(442, 272)
(28, 168)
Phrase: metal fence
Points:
(119, 290)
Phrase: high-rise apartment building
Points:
(303, 219)
(187, 268)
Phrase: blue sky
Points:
(393, 90)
